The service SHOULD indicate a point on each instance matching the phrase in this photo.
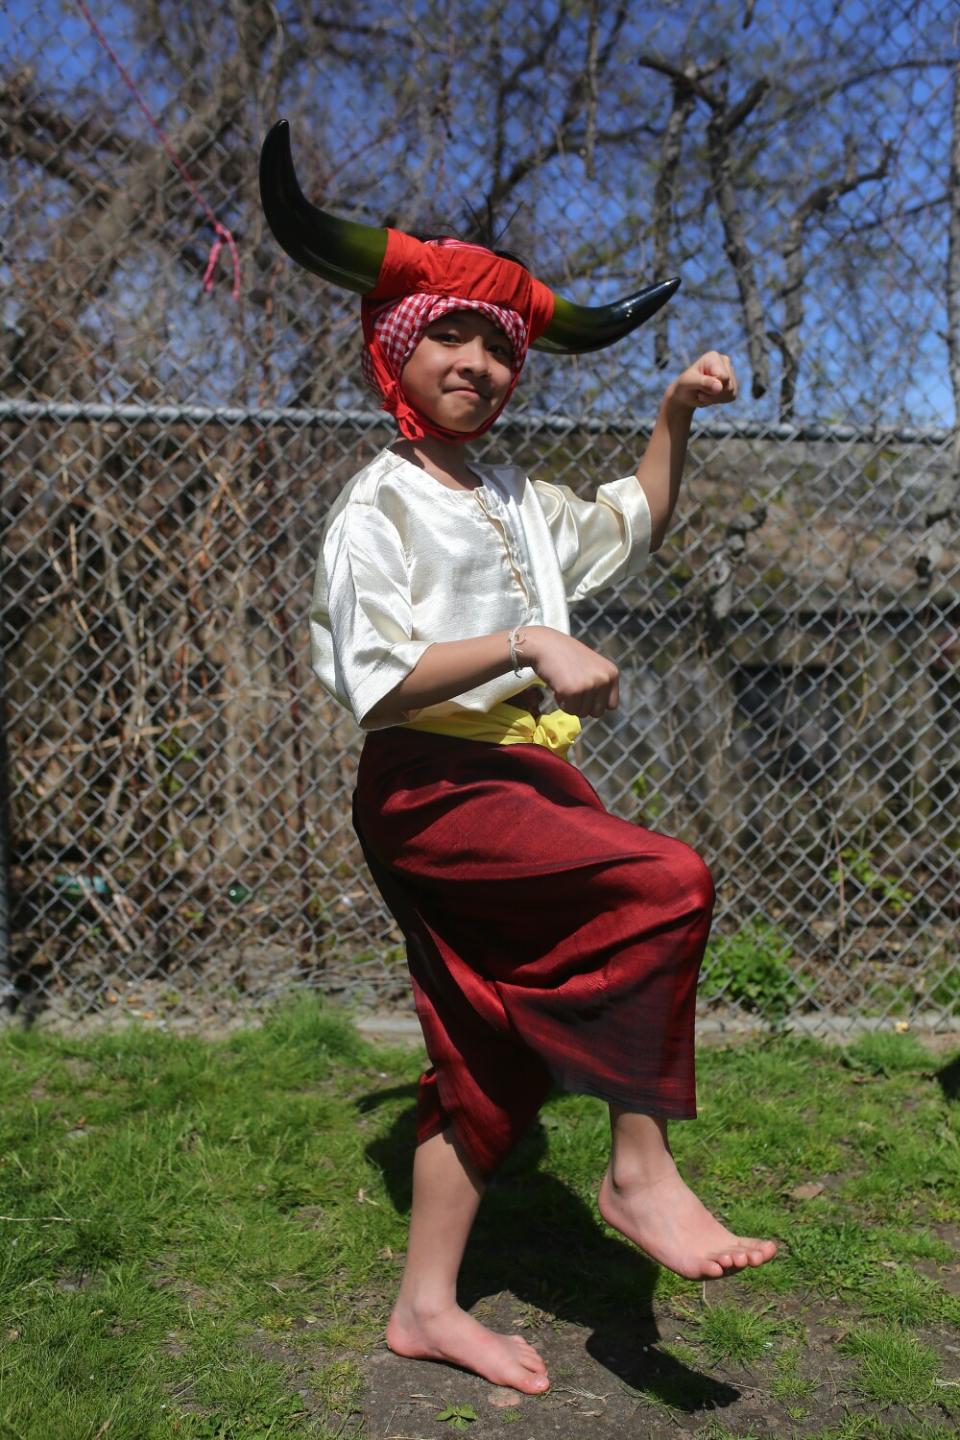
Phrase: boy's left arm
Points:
(709, 381)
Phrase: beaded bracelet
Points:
(514, 639)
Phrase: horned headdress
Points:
(384, 265)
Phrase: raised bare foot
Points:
(454, 1336)
(666, 1220)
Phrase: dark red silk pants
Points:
(549, 942)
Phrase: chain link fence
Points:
(174, 428)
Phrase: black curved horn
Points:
(342, 251)
(577, 329)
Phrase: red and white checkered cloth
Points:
(400, 326)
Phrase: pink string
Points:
(222, 233)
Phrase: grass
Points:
(790, 1387)
(736, 1333)
(200, 1241)
(894, 1369)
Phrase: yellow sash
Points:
(505, 725)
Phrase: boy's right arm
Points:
(584, 683)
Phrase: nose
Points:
(473, 355)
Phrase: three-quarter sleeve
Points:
(361, 620)
(599, 541)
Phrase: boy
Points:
(548, 941)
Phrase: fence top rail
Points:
(522, 422)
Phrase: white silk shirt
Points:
(405, 562)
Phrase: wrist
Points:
(674, 407)
(515, 645)
(522, 642)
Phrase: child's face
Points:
(460, 371)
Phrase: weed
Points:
(458, 1417)
(858, 865)
(944, 990)
(652, 805)
(752, 968)
(532, 1317)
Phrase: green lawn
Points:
(201, 1240)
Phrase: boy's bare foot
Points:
(454, 1336)
(665, 1218)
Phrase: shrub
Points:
(752, 968)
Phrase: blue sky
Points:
(884, 354)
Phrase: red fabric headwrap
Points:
(447, 270)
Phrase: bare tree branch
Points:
(807, 100)
(819, 200)
(670, 149)
(724, 120)
(564, 136)
(592, 90)
(737, 250)
(903, 212)
(18, 143)
(733, 119)
(20, 108)
(685, 83)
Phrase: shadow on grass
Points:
(948, 1078)
(538, 1240)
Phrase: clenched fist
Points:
(584, 683)
(711, 380)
